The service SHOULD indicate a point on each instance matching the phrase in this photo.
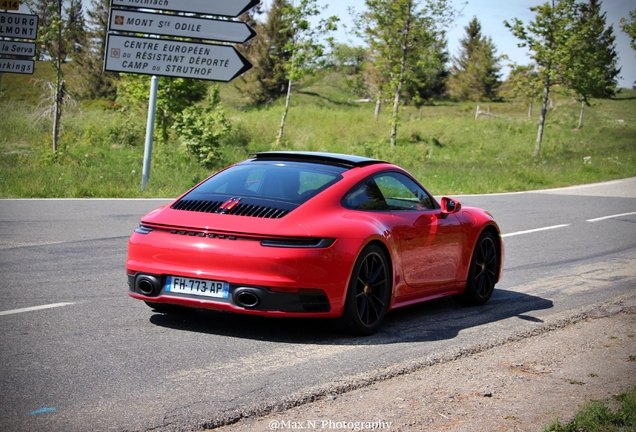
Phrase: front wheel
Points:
(368, 293)
(484, 268)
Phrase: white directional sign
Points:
(176, 25)
(174, 58)
(16, 25)
(228, 8)
(26, 49)
(17, 66)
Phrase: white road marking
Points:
(534, 230)
(610, 217)
(35, 308)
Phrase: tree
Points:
(95, 82)
(304, 45)
(524, 82)
(201, 129)
(590, 66)
(173, 96)
(400, 34)
(429, 78)
(60, 33)
(348, 58)
(546, 37)
(266, 82)
(475, 73)
(628, 26)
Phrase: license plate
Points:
(200, 287)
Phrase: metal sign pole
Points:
(150, 129)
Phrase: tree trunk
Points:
(396, 100)
(581, 115)
(530, 109)
(57, 117)
(544, 110)
(282, 122)
(378, 105)
(394, 118)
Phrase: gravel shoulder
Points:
(519, 386)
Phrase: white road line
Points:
(35, 308)
(610, 217)
(534, 230)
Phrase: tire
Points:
(368, 293)
(482, 275)
(169, 308)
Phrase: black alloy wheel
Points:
(484, 268)
(369, 292)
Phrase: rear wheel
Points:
(368, 293)
(484, 268)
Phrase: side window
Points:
(365, 196)
(402, 193)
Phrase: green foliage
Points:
(201, 129)
(101, 149)
(524, 82)
(596, 416)
(266, 81)
(401, 35)
(348, 59)
(475, 73)
(304, 45)
(628, 26)
(126, 132)
(173, 96)
(590, 67)
(90, 80)
(547, 39)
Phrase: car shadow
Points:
(431, 321)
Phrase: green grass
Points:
(598, 416)
(442, 145)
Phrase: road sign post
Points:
(150, 130)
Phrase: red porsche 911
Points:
(304, 234)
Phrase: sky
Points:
(491, 14)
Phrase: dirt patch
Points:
(520, 386)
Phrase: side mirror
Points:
(450, 205)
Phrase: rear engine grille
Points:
(241, 209)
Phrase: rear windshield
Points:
(283, 181)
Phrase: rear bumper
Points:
(253, 300)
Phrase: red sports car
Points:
(304, 234)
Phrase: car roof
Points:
(338, 159)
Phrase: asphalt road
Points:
(91, 358)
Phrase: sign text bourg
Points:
(226, 8)
(176, 25)
(16, 25)
(174, 58)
